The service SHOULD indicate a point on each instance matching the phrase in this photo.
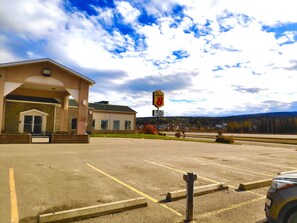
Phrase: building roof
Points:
(32, 99)
(105, 107)
(91, 82)
(98, 106)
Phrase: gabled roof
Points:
(49, 61)
(105, 107)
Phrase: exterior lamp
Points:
(46, 72)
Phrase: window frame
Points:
(73, 122)
(119, 125)
(102, 122)
(126, 125)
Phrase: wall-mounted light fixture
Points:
(46, 72)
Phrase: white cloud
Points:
(33, 17)
(244, 55)
(104, 15)
(267, 11)
(129, 13)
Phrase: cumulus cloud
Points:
(151, 83)
(127, 11)
(247, 90)
(33, 17)
(210, 57)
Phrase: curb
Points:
(93, 211)
(181, 194)
(291, 171)
(255, 184)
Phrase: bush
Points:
(178, 134)
(161, 133)
(225, 139)
(150, 129)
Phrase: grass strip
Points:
(148, 136)
(290, 141)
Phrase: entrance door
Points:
(33, 124)
(37, 126)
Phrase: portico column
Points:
(2, 100)
(64, 113)
(3, 113)
(82, 116)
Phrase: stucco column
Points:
(82, 116)
(64, 113)
(2, 101)
(4, 112)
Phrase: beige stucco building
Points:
(34, 97)
(107, 118)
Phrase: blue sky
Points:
(210, 58)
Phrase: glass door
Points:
(33, 124)
(37, 125)
(28, 120)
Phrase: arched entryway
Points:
(47, 79)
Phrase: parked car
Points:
(281, 200)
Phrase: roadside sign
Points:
(158, 98)
(158, 113)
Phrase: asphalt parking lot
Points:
(44, 178)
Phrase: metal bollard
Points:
(190, 178)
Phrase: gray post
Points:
(190, 178)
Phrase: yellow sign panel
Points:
(158, 98)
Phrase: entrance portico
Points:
(48, 79)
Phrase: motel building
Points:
(34, 98)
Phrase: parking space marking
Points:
(180, 171)
(235, 168)
(273, 158)
(262, 163)
(134, 189)
(234, 206)
(13, 198)
(275, 165)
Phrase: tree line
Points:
(267, 123)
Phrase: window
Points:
(73, 123)
(104, 124)
(28, 120)
(32, 121)
(93, 123)
(37, 128)
(127, 125)
(116, 125)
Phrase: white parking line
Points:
(180, 171)
(214, 181)
(134, 189)
(252, 161)
(235, 168)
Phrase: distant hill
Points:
(274, 122)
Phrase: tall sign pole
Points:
(158, 101)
